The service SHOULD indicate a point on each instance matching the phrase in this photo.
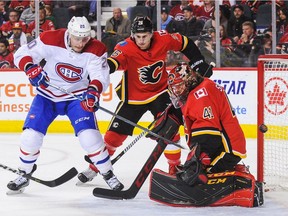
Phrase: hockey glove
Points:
(202, 68)
(193, 171)
(90, 100)
(37, 76)
(166, 126)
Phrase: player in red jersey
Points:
(144, 84)
(208, 118)
(45, 24)
(6, 57)
(217, 145)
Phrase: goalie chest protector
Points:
(222, 189)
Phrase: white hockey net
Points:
(273, 112)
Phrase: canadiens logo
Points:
(276, 101)
(151, 74)
(68, 72)
(4, 64)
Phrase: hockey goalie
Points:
(211, 175)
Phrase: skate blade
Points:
(79, 183)
(11, 192)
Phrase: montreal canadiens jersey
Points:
(145, 75)
(208, 112)
(64, 67)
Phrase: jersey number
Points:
(207, 113)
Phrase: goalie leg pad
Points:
(222, 189)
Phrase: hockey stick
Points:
(116, 116)
(212, 64)
(139, 180)
(53, 183)
(114, 160)
(87, 159)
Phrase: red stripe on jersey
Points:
(24, 62)
(97, 85)
(92, 155)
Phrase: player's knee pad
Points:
(173, 154)
(90, 140)
(113, 140)
(31, 141)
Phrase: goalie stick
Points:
(139, 180)
(116, 116)
(52, 183)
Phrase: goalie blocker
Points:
(231, 188)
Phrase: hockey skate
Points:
(18, 185)
(112, 181)
(86, 176)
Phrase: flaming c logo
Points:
(276, 99)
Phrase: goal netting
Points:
(273, 112)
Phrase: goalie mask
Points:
(181, 80)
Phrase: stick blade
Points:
(62, 179)
(66, 177)
(111, 194)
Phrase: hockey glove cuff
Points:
(90, 100)
(37, 76)
(202, 68)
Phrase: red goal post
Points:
(272, 154)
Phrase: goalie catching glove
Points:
(37, 76)
(91, 98)
(193, 171)
(167, 124)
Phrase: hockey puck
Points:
(263, 128)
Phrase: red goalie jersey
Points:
(144, 71)
(210, 121)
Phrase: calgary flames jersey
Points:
(145, 75)
(208, 114)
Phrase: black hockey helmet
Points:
(141, 24)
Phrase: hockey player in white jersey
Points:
(77, 63)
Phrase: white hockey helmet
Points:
(79, 27)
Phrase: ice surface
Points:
(60, 152)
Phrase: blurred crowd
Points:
(245, 28)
